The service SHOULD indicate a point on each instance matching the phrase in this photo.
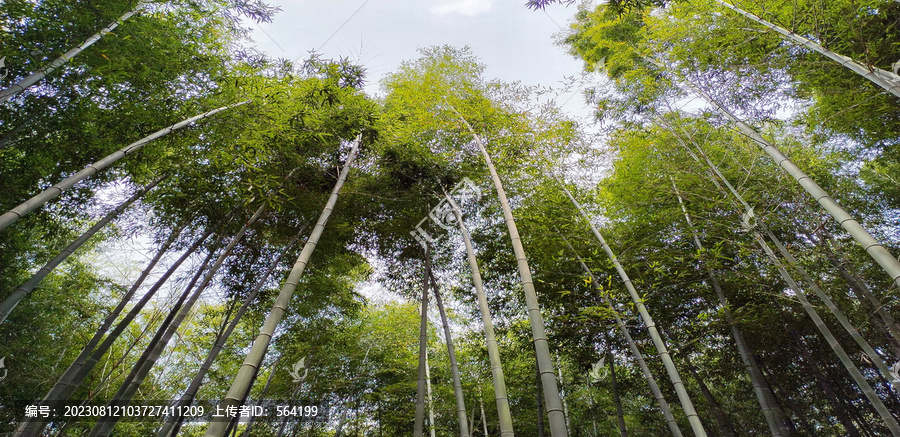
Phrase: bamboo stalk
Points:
(25, 289)
(661, 348)
(422, 384)
(35, 77)
(883, 78)
(37, 201)
(451, 353)
(242, 382)
(499, 382)
(555, 414)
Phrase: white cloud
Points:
(468, 8)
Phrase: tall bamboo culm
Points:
(39, 200)
(35, 77)
(451, 353)
(421, 385)
(771, 411)
(10, 302)
(242, 382)
(875, 249)
(555, 414)
(658, 342)
(639, 357)
(500, 395)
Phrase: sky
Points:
(514, 42)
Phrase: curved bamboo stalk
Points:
(500, 395)
(451, 353)
(37, 201)
(555, 414)
(883, 78)
(25, 289)
(35, 77)
(242, 382)
(661, 348)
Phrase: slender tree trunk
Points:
(37, 201)
(875, 249)
(242, 382)
(483, 416)
(770, 409)
(645, 370)
(418, 428)
(555, 414)
(173, 423)
(84, 364)
(10, 303)
(35, 77)
(883, 78)
(502, 399)
(620, 414)
(680, 390)
(451, 353)
(873, 398)
(562, 392)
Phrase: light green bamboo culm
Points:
(35, 77)
(39, 200)
(555, 414)
(240, 387)
(500, 395)
(25, 289)
(683, 396)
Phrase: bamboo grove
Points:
(186, 221)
